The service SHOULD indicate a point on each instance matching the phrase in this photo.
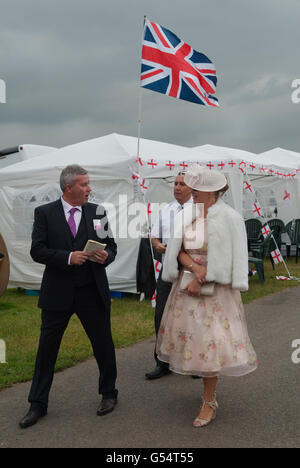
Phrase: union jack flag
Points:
(172, 67)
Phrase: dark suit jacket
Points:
(51, 246)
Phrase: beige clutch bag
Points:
(207, 289)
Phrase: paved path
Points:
(258, 410)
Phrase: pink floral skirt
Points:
(206, 336)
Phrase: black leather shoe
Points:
(157, 373)
(32, 418)
(107, 406)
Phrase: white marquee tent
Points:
(277, 183)
(109, 161)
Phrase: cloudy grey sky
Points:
(71, 69)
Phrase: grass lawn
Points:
(132, 321)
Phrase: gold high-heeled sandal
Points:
(204, 422)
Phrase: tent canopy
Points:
(280, 157)
(106, 157)
(22, 153)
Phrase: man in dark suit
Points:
(72, 283)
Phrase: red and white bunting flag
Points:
(152, 163)
(248, 186)
(153, 300)
(287, 195)
(266, 230)
(276, 255)
(157, 268)
(283, 278)
(184, 165)
(143, 185)
(170, 165)
(139, 160)
(257, 210)
(134, 175)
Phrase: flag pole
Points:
(138, 158)
(139, 130)
(139, 117)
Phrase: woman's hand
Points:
(200, 272)
(194, 288)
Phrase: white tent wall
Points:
(270, 192)
(19, 205)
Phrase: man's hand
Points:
(78, 258)
(159, 247)
(100, 256)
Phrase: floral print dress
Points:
(205, 335)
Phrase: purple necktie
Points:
(71, 221)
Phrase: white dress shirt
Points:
(163, 227)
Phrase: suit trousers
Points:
(163, 292)
(95, 318)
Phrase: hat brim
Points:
(194, 185)
(4, 267)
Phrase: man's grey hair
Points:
(69, 174)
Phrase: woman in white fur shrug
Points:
(207, 335)
(227, 256)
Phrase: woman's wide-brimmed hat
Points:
(204, 180)
(4, 266)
